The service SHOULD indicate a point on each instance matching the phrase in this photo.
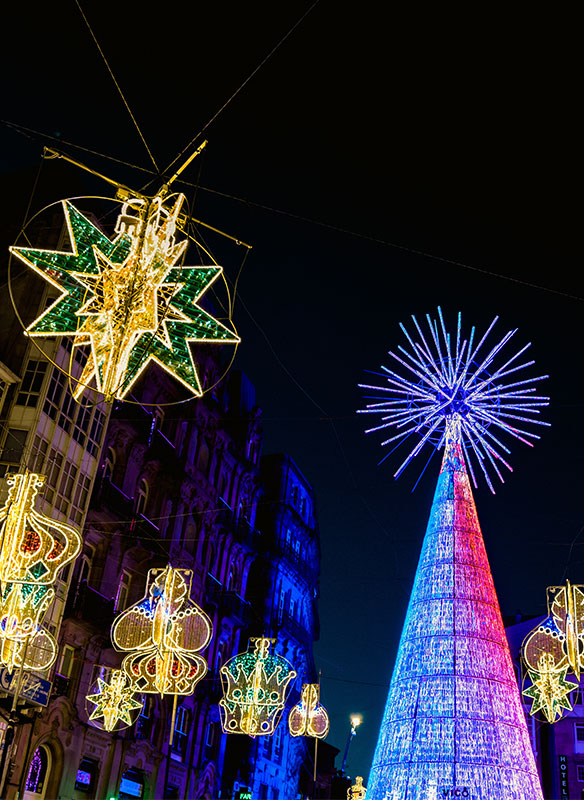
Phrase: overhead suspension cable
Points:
(117, 85)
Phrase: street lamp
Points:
(356, 720)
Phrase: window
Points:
(123, 591)
(181, 731)
(38, 772)
(67, 409)
(68, 476)
(95, 432)
(66, 661)
(13, 448)
(141, 497)
(30, 388)
(109, 465)
(580, 772)
(39, 454)
(81, 426)
(54, 392)
(53, 471)
(277, 748)
(80, 498)
(85, 778)
(579, 737)
(144, 723)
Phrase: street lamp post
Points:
(356, 720)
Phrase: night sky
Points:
(381, 162)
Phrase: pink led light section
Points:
(453, 724)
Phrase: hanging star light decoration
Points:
(549, 688)
(113, 702)
(309, 717)
(128, 297)
(33, 548)
(554, 648)
(451, 382)
(255, 685)
(163, 634)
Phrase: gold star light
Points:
(114, 701)
(128, 298)
(549, 689)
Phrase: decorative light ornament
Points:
(448, 378)
(33, 548)
(114, 702)
(127, 297)
(255, 685)
(309, 717)
(357, 791)
(555, 648)
(453, 724)
(164, 633)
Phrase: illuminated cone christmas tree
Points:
(453, 725)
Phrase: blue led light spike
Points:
(447, 378)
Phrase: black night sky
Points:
(381, 162)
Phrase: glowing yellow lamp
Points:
(255, 685)
(163, 634)
(113, 703)
(309, 717)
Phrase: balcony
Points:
(295, 629)
(110, 497)
(86, 604)
(246, 534)
(227, 602)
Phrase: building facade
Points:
(150, 482)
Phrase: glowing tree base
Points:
(453, 719)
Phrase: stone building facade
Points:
(152, 481)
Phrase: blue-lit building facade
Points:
(154, 481)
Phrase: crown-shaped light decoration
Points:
(554, 649)
(255, 685)
(309, 717)
(357, 791)
(114, 706)
(163, 634)
(33, 548)
(128, 298)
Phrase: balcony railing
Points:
(295, 629)
(228, 602)
(91, 606)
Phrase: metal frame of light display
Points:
(128, 298)
(33, 548)
(309, 717)
(255, 685)
(163, 634)
(114, 706)
(453, 723)
(554, 649)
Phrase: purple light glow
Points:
(452, 379)
(453, 725)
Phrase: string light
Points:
(309, 717)
(164, 633)
(33, 548)
(555, 648)
(114, 701)
(255, 685)
(127, 298)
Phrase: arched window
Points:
(109, 465)
(141, 497)
(35, 787)
(203, 459)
